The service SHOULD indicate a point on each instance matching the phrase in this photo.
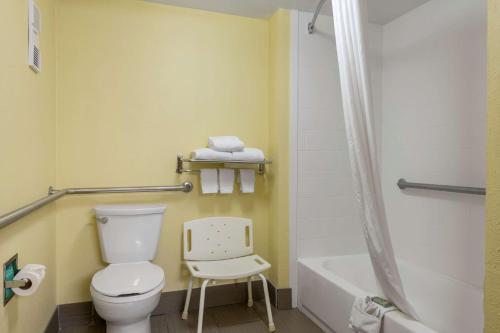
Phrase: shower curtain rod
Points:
(310, 26)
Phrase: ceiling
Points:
(380, 11)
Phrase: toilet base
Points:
(127, 314)
(143, 326)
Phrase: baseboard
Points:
(53, 325)
(83, 313)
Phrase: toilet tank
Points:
(129, 233)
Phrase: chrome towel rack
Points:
(181, 160)
(54, 194)
(403, 184)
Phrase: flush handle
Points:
(102, 219)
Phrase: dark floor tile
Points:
(84, 329)
(77, 314)
(171, 302)
(177, 325)
(159, 324)
(260, 308)
(290, 321)
(253, 327)
(236, 318)
(229, 315)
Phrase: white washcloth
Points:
(247, 180)
(210, 154)
(249, 155)
(226, 181)
(209, 181)
(225, 143)
(367, 316)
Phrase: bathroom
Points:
(126, 90)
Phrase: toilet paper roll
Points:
(35, 274)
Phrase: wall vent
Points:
(34, 29)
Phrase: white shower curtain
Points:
(357, 104)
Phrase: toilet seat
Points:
(128, 279)
(97, 296)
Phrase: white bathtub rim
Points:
(316, 264)
(398, 317)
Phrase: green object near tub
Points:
(382, 302)
(9, 271)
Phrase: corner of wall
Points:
(492, 282)
(279, 108)
(27, 101)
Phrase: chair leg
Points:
(272, 328)
(250, 296)
(202, 305)
(188, 298)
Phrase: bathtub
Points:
(328, 285)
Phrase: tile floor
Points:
(236, 318)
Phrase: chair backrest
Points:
(217, 238)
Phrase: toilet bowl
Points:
(125, 295)
(127, 291)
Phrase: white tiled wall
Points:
(327, 215)
(434, 124)
(429, 86)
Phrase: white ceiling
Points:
(380, 11)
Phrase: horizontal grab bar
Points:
(185, 187)
(403, 184)
(54, 194)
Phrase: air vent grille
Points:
(36, 57)
(35, 25)
(36, 19)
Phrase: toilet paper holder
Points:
(17, 282)
(22, 283)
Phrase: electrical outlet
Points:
(10, 270)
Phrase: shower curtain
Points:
(357, 105)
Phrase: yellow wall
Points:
(492, 283)
(139, 83)
(136, 84)
(279, 75)
(27, 167)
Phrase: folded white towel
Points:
(210, 154)
(226, 181)
(247, 180)
(367, 316)
(249, 155)
(209, 181)
(225, 143)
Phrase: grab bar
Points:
(54, 194)
(403, 184)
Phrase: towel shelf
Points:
(181, 160)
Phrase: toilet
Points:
(126, 292)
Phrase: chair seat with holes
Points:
(228, 269)
(221, 248)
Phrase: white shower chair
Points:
(221, 248)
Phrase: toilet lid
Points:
(127, 279)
